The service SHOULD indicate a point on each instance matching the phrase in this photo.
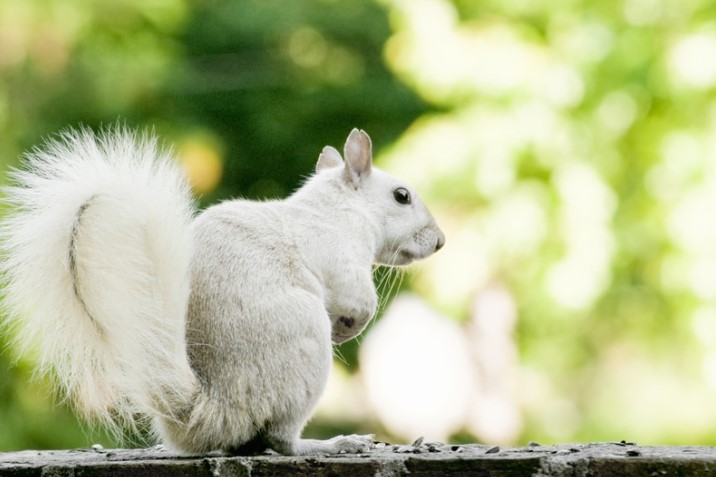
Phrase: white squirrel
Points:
(216, 326)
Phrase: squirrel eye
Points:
(401, 195)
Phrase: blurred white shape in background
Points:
(425, 375)
(494, 415)
(417, 372)
(691, 59)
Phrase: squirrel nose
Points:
(440, 242)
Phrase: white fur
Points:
(134, 247)
(219, 328)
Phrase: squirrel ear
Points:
(328, 158)
(359, 157)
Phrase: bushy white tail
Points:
(96, 268)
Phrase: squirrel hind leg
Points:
(292, 444)
(352, 444)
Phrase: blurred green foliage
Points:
(568, 148)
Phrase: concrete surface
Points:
(418, 459)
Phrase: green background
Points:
(567, 147)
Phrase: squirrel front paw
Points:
(348, 321)
(345, 328)
(351, 301)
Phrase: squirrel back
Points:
(110, 319)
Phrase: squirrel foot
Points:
(352, 444)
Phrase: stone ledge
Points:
(574, 460)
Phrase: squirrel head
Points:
(408, 230)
